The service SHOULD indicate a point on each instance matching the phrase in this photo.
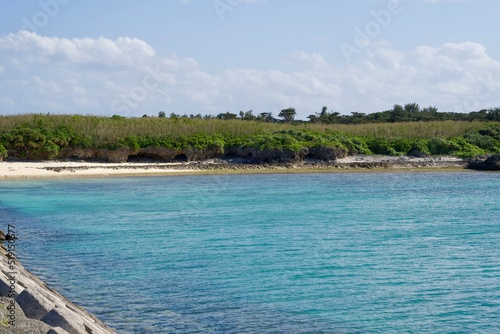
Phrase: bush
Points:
(31, 144)
(3, 152)
(381, 146)
(492, 131)
(273, 141)
(441, 146)
(465, 149)
(61, 135)
(420, 145)
(402, 146)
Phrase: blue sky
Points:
(211, 56)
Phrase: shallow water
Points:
(300, 253)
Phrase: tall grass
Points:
(107, 129)
(410, 130)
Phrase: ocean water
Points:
(291, 253)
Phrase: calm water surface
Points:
(300, 253)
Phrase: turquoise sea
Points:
(276, 253)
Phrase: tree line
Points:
(410, 112)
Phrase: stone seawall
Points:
(28, 305)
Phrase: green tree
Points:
(412, 107)
(266, 117)
(288, 115)
(324, 111)
(247, 115)
(161, 114)
(313, 119)
(227, 115)
(397, 113)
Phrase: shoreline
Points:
(359, 163)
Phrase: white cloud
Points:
(126, 76)
(387, 57)
(315, 60)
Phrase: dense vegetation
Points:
(410, 112)
(36, 136)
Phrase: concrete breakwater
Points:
(28, 305)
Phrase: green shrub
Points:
(442, 146)
(466, 149)
(381, 146)
(31, 144)
(420, 145)
(273, 141)
(3, 152)
(402, 146)
(61, 135)
(485, 142)
(491, 131)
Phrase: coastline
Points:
(65, 169)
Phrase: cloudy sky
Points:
(210, 56)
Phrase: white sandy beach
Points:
(17, 170)
(59, 169)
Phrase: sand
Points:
(63, 169)
(49, 169)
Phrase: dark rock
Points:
(194, 154)
(97, 154)
(491, 163)
(274, 155)
(124, 154)
(417, 154)
(158, 153)
(326, 153)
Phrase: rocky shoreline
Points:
(350, 163)
(222, 167)
(80, 168)
(29, 306)
(491, 163)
